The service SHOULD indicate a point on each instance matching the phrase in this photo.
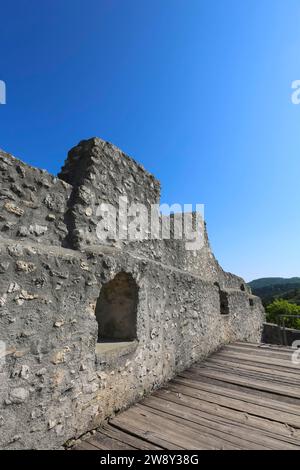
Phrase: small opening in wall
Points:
(224, 304)
(251, 302)
(242, 287)
(116, 310)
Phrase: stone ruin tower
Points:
(87, 328)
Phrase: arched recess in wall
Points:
(116, 309)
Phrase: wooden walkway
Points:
(243, 397)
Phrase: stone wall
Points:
(57, 380)
(33, 203)
(101, 173)
(54, 383)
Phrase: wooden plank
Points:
(287, 366)
(259, 358)
(282, 387)
(259, 372)
(285, 358)
(140, 430)
(180, 435)
(278, 354)
(223, 414)
(264, 364)
(189, 434)
(237, 402)
(250, 395)
(125, 437)
(230, 431)
(246, 380)
(293, 372)
(84, 445)
(218, 440)
(103, 442)
(230, 401)
(263, 346)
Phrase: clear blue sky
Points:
(198, 91)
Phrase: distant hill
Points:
(271, 288)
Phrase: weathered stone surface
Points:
(32, 203)
(101, 173)
(55, 381)
(18, 395)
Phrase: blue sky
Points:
(198, 91)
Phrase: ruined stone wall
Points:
(36, 206)
(33, 203)
(57, 380)
(54, 383)
(101, 173)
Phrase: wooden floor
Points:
(242, 397)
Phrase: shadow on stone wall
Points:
(274, 334)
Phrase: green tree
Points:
(283, 307)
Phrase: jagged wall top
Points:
(102, 173)
(96, 159)
(37, 206)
